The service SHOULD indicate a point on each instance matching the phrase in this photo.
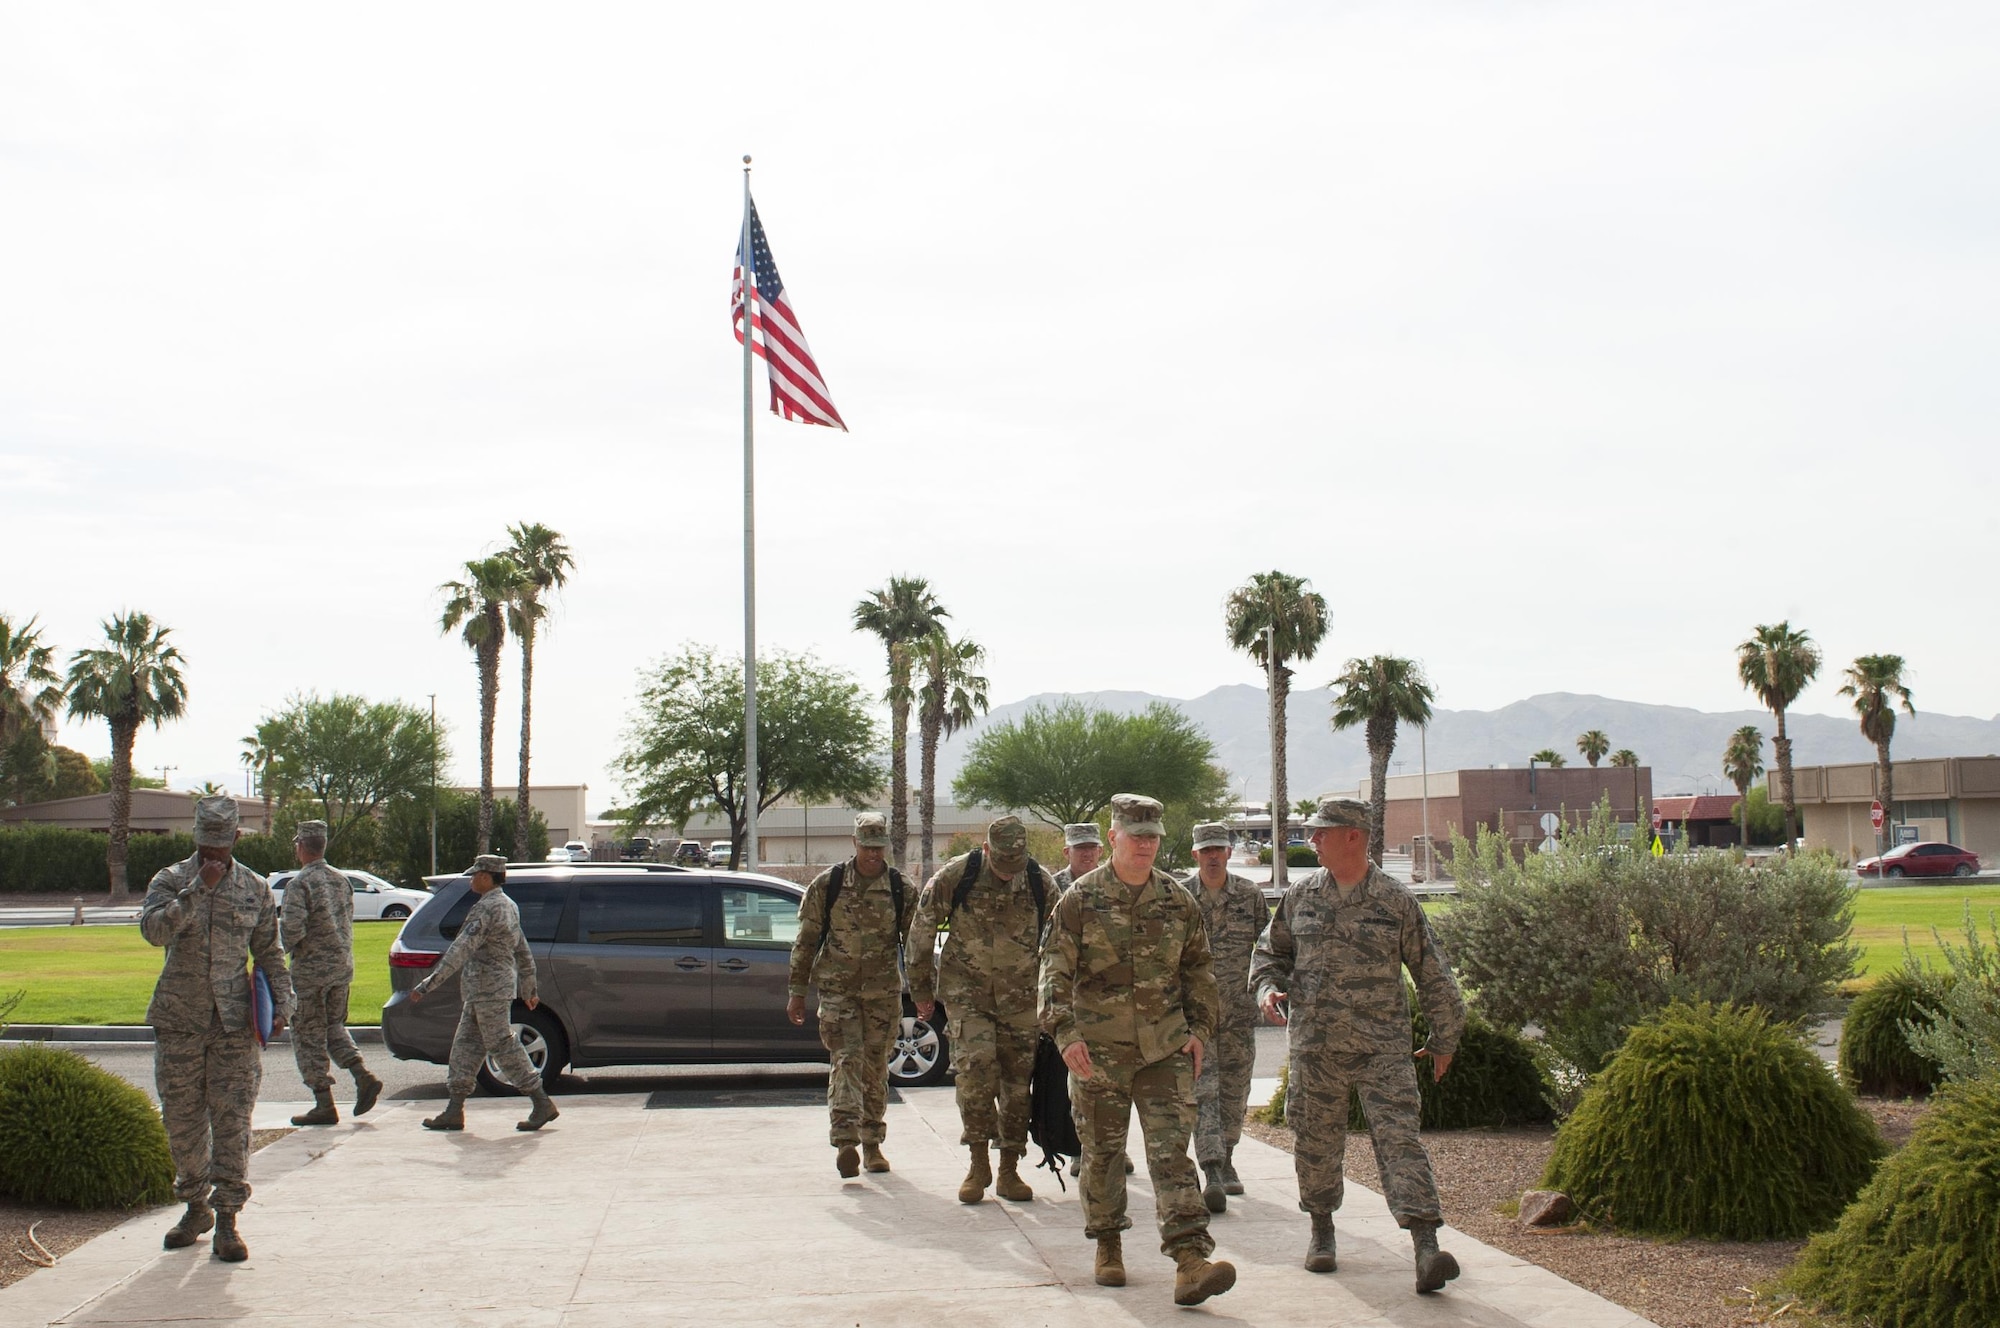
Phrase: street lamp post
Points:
(1424, 754)
(434, 783)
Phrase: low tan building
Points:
(561, 806)
(154, 812)
(1955, 799)
(793, 834)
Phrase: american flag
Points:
(797, 390)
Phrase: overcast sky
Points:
(1559, 344)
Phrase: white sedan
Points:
(375, 900)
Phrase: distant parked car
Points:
(374, 898)
(718, 853)
(639, 848)
(574, 851)
(1928, 859)
(690, 853)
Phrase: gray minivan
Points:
(637, 964)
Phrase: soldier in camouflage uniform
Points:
(991, 964)
(1128, 994)
(1082, 847)
(498, 966)
(847, 946)
(213, 915)
(317, 924)
(1233, 910)
(1336, 949)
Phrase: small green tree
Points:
(350, 756)
(1963, 1037)
(1063, 762)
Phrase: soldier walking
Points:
(1128, 994)
(1233, 910)
(991, 904)
(1082, 847)
(317, 924)
(213, 915)
(851, 925)
(1336, 949)
(498, 966)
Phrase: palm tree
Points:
(1593, 745)
(1776, 664)
(478, 605)
(1876, 684)
(1742, 762)
(1276, 617)
(133, 679)
(545, 563)
(258, 758)
(1625, 759)
(1305, 807)
(900, 613)
(952, 696)
(30, 688)
(1550, 757)
(1379, 693)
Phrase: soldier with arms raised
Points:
(214, 916)
(851, 925)
(1336, 950)
(317, 924)
(1128, 994)
(1234, 912)
(991, 904)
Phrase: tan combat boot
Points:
(1110, 1260)
(322, 1113)
(872, 1159)
(544, 1112)
(1320, 1256)
(1009, 1185)
(367, 1088)
(451, 1118)
(980, 1175)
(848, 1161)
(198, 1218)
(1196, 1279)
(1435, 1267)
(228, 1246)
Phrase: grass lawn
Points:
(105, 975)
(1881, 915)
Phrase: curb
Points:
(137, 1034)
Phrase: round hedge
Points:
(1875, 1056)
(75, 1135)
(1713, 1121)
(1494, 1080)
(1917, 1249)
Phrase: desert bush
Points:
(1963, 1037)
(1494, 1080)
(46, 858)
(1713, 1120)
(1589, 939)
(1917, 1248)
(1296, 855)
(1875, 1052)
(76, 1135)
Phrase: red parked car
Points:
(1921, 860)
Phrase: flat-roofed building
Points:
(1955, 799)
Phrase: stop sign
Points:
(1875, 816)
(1656, 818)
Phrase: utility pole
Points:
(434, 783)
(164, 769)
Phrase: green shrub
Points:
(1964, 1035)
(1297, 855)
(46, 858)
(1715, 1121)
(1875, 1054)
(1494, 1080)
(76, 1135)
(1917, 1249)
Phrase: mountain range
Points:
(1682, 746)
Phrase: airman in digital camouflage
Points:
(317, 924)
(1233, 910)
(1082, 847)
(214, 916)
(1128, 995)
(851, 925)
(495, 966)
(990, 904)
(1335, 950)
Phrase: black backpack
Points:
(838, 877)
(1050, 1123)
(963, 890)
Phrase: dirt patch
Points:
(60, 1230)
(1676, 1284)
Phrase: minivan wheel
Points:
(922, 1054)
(542, 1038)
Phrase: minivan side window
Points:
(639, 913)
(540, 902)
(755, 919)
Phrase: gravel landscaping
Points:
(1677, 1284)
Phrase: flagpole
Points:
(749, 547)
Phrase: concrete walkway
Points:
(712, 1208)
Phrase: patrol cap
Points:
(309, 830)
(1136, 814)
(871, 830)
(215, 821)
(1339, 813)
(1211, 834)
(1008, 839)
(490, 863)
(1083, 832)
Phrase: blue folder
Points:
(261, 1006)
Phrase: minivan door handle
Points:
(732, 965)
(687, 963)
